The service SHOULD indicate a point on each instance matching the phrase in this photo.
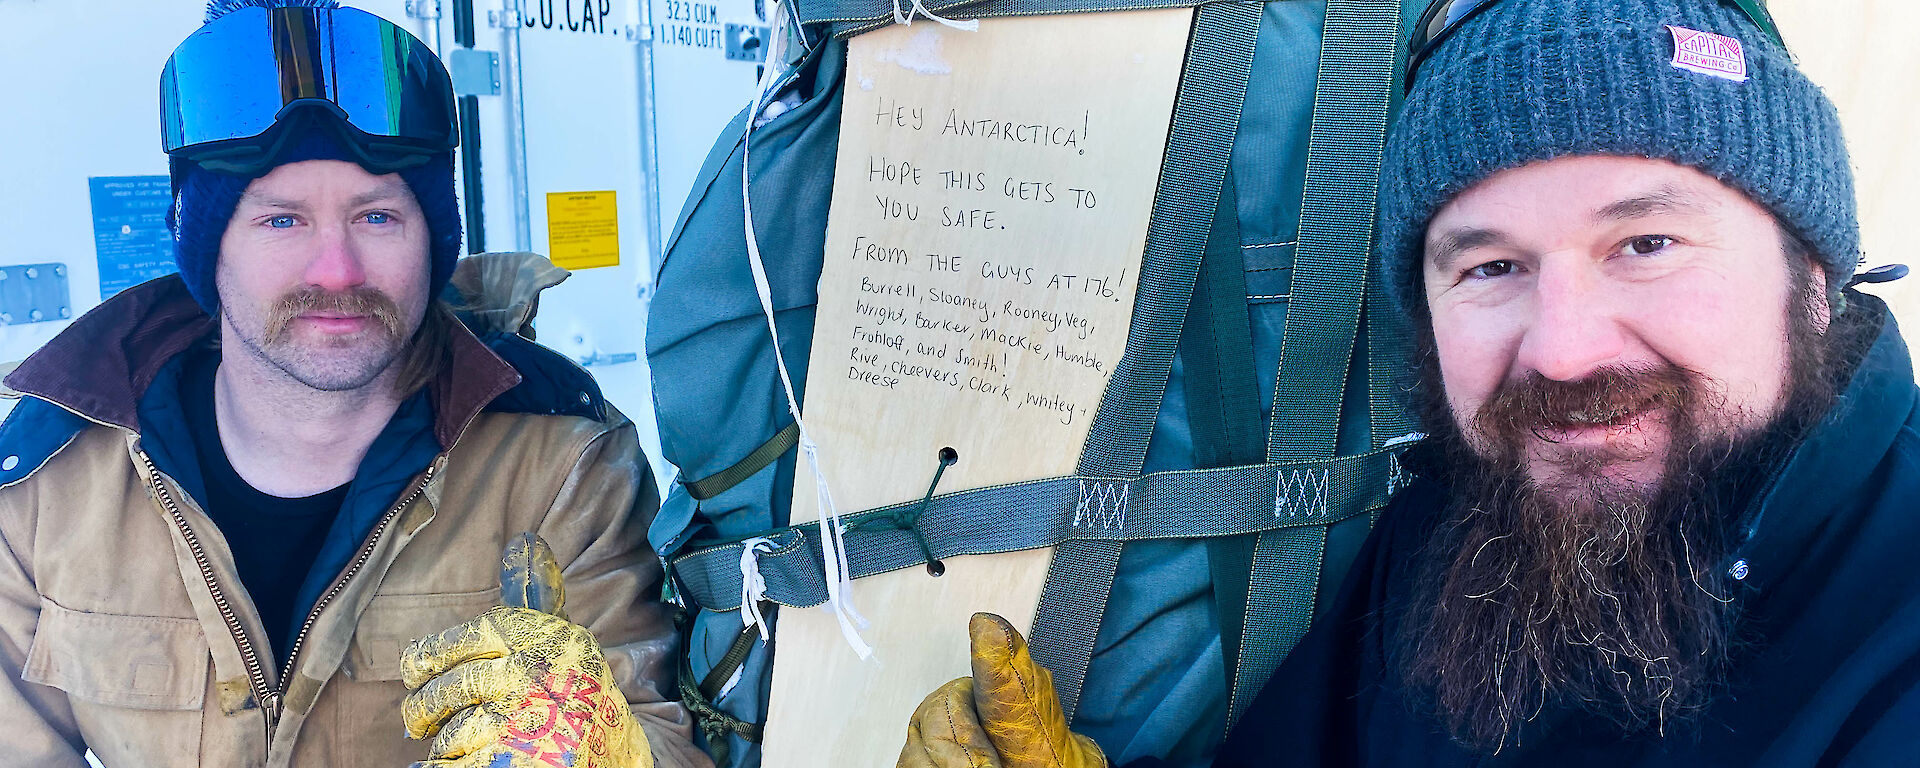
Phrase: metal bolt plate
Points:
(508, 19)
(746, 42)
(34, 293)
(475, 72)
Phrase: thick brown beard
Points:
(1591, 597)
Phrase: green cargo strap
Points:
(1358, 52)
(1336, 225)
(768, 452)
(729, 662)
(1206, 114)
(1179, 504)
(1388, 333)
(1223, 407)
(1389, 364)
(714, 722)
(852, 17)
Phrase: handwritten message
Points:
(990, 206)
(984, 249)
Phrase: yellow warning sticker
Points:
(583, 229)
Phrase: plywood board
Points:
(989, 212)
(1862, 53)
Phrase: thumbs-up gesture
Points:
(519, 686)
(1005, 716)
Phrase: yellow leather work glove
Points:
(520, 686)
(1005, 716)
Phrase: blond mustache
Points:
(358, 301)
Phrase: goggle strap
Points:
(249, 158)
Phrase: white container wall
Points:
(82, 177)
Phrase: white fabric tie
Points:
(753, 588)
(832, 530)
(1410, 437)
(906, 17)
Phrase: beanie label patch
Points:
(1709, 54)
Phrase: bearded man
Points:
(1668, 504)
(1667, 508)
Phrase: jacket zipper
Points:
(256, 673)
(272, 698)
(340, 583)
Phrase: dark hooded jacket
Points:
(1831, 597)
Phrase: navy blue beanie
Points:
(1532, 80)
(204, 200)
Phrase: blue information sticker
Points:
(130, 236)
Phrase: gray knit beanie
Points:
(1532, 80)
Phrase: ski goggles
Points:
(229, 85)
(1442, 17)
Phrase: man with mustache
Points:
(231, 496)
(1666, 511)
(1667, 508)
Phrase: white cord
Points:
(832, 530)
(906, 18)
(753, 588)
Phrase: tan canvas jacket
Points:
(124, 628)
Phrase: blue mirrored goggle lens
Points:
(233, 78)
(1439, 20)
(1444, 16)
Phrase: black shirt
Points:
(274, 540)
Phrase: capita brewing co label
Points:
(1709, 54)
